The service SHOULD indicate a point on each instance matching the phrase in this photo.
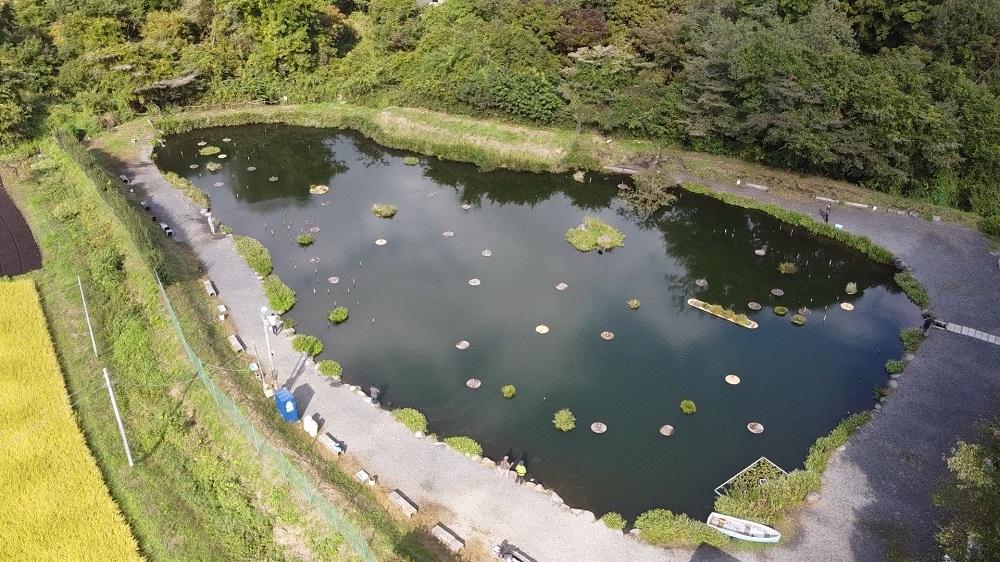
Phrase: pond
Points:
(410, 301)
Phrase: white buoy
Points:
(486, 253)
(202, 143)
(542, 329)
(227, 139)
(666, 430)
(466, 206)
(473, 383)
(847, 306)
(218, 184)
(607, 336)
(598, 427)
(760, 251)
(701, 282)
(223, 156)
(560, 286)
(381, 242)
(755, 427)
(732, 379)
(251, 168)
(462, 345)
(474, 282)
(777, 292)
(272, 178)
(447, 234)
(753, 305)
(193, 166)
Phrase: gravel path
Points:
(875, 490)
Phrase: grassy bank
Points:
(62, 509)
(198, 491)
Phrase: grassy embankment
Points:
(197, 491)
(56, 507)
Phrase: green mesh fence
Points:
(269, 452)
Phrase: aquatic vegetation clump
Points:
(330, 368)
(614, 520)
(593, 234)
(209, 150)
(411, 418)
(464, 445)
(280, 297)
(911, 338)
(338, 315)
(305, 239)
(851, 288)
(781, 310)
(310, 345)
(798, 319)
(384, 210)
(255, 254)
(632, 304)
(894, 366)
(688, 407)
(564, 420)
(913, 288)
(411, 160)
(787, 268)
(508, 391)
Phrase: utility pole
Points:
(118, 417)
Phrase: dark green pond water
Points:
(797, 381)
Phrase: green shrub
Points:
(310, 345)
(411, 160)
(411, 418)
(662, 527)
(614, 520)
(279, 296)
(385, 211)
(911, 338)
(508, 391)
(632, 304)
(288, 323)
(209, 150)
(787, 267)
(913, 289)
(781, 310)
(688, 407)
(338, 315)
(225, 229)
(990, 226)
(464, 445)
(894, 366)
(305, 239)
(594, 234)
(255, 254)
(798, 319)
(564, 420)
(330, 368)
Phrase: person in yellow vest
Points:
(520, 471)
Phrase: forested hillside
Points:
(899, 95)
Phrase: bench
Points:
(404, 503)
(210, 288)
(447, 537)
(236, 344)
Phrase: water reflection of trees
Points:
(716, 242)
(503, 187)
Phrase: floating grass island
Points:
(633, 304)
(724, 313)
(305, 239)
(338, 315)
(787, 268)
(593, 234)
(384, 211)
(209, 150)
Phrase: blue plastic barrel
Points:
(286, 405)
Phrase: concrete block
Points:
(236, 344)
(310, 425)
(826, 199)
(210, 287)
(362, 476)
(448, 537)
(404, 503)
(331, 444)
(857, 205)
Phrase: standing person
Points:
(928, 322)
(829, 209)
(275, 322)
(505, 466)
(520, 471)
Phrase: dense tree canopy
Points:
(901, 96)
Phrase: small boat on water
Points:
(742, 529)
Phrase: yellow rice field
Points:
(53, 502)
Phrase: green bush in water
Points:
(330, 368)
(632, 304)
(688, 407)
(508, 391)
(305, 239)
(338, 315)
(798, 319)
(310, 345)
(614, 520)
(280, 297)
(911, 338)
(780, 310)
(411, 418)
(662, 527)
(894, 366)
(913, 288)
(594, 234)
(464, 445)
(209, 150)
(385, 211)
(411, 160)
(564, 420)
(255, 254)
(788, 267)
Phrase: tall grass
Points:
(57, 507)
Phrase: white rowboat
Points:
(742, 529)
